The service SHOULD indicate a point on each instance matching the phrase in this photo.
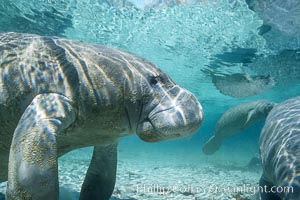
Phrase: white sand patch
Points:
(164, 173)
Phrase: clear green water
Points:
(183, 40)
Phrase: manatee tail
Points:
(212, 145)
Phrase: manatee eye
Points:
(153, 80)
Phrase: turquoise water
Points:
(183, 39)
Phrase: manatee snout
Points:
(178, 114)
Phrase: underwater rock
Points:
(235, 120)
(280, 150)
(59, 95)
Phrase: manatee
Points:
(240, 85)
(58, 95)
(279, 146)
(285, 67)
(235, 120)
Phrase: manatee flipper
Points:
(100, 178)
(33, 171)
(249, 117)
(265, 194)
(212, 145)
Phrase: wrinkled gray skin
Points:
(58, 95)
(235, 120)
(280, 150)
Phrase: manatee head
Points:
(169, 111)
(263, 107)
(156, 108)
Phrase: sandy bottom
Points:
(153, 172)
